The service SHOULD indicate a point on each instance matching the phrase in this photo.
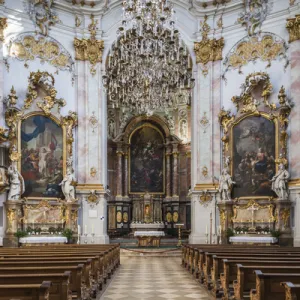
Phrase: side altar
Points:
(254, 203)
(147, 222)
(41, 206)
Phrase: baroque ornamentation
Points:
(255, 13)
(70, 121)
(93, 172)
(205, 197)
(42, 14)
(266, 47)
(89, 49)
(208, 49)
(47, 81)
(293, 27)
(254, 101)
(204, 122)
(27, 47)
(93, 121)
(3, 25)
(285, 216)
(204, 171)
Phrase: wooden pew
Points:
(76, 285)
(59, 289)
(268, 285)
(292, 291)
(246, 277)
(25, 291)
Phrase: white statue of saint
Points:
(17, 186)
(183, 129)
(111, 128)
(280, 182)
(67, 185)
(225, 185)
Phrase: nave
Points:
(153, 278)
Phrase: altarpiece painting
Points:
(253, 156)
(147, 161)
(42, 156)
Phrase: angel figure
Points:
(225, 185)
(68, 185)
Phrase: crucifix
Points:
(252, 208)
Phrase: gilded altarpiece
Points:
(254, 151)
(41, 150)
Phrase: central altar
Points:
(147, 222)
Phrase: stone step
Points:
(157, 252)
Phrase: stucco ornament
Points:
(42, 14)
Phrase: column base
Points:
(197, 239)
(10, 242)
(98, 239)
(119, 197)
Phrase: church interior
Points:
(148, 149)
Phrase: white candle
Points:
(78, 229)
(85, 229)
(92, 228)
(206, 231)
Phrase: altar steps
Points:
(133, 243)
(153, 252)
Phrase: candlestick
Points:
(206, 231)
(85, 229)
(93, 229)
(78, 229)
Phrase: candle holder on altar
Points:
(78, 238)
(179, 244)
(215, 238)
(93, 238)
(206, 238)
(85, 238)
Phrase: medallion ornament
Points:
(204, 122)
(28, 47)
(208, 49)
(92, 198)
(266, 47)
(90, 49)
(293, 27)
(205, 198)
(42, 14)
(3, 25)
(93, 172)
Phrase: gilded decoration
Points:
(285, 216)
(3, 25)
(42, 14)
(205, 198)
(251, 206)
(266, 47)
(89, 49)
(208, 49)
(255, 13)
(47, 120)
(293, 27)
(29, 46)
(259, 131)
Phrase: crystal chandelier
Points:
(148, 67)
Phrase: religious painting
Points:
(254, 152)
(147, 161)
(42, 161)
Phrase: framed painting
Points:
(42, 141)
(253, 156)
(147, 161)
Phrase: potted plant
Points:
(276, 233)
(19, 234)
(245, 229)
(37, 230)
(29, 230)
(68, 233)
(52, 230)
(59, 230)
(229, 233)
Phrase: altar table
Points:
(261, 240)
(42, 240)
(149, 238)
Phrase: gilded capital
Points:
(209, 50)
(293, 27)
(3, 25)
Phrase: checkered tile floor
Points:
(153, 278)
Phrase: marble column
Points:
(126, 175)
(175, 171)
(119, 174)
(294, 131)
(168, 174)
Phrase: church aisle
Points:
(153, 278)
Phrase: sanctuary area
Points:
(149, 128)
